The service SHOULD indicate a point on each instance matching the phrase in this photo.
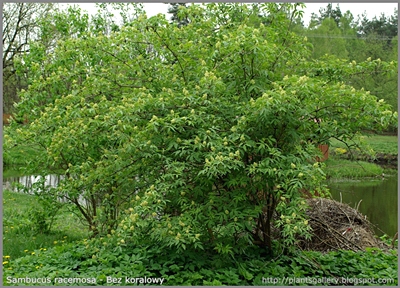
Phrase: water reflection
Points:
(378, 200)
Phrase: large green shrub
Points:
(198, 136)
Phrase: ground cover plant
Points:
(194, 139)
(93, 259)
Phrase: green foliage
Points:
(18, 155)
(95, 259)
(374, 76)
(207, 143)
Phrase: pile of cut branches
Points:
(338, 226)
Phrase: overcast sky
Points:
(372, 9)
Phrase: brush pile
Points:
(338, 226)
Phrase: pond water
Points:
(378, 197)
(378, 200)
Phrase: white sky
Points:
(372, 9)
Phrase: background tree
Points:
(334, 33)
(176, 17)
(327, 38)
(331, 13)
(104, 21)
(20, 26)
(379, 38)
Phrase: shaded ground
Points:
(386, 160)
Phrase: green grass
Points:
(379, 143)
(20, 235)
(341, 168)
(383, 144)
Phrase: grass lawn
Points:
(383, 144)
(20, 235)
(379, 143)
